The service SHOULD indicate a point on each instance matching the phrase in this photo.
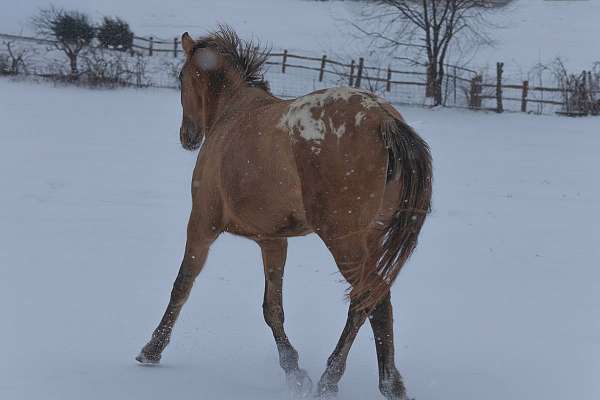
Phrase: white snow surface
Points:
(500, 301)
(530, 31)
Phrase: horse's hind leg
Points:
(350, 253)
(382, 323)
(336, 363)
(196, 251)
(274, 252)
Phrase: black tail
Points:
(410, 161)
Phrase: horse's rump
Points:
(410, 164)
(352, 149)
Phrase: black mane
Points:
(247, 57)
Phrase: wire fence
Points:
(405, 81)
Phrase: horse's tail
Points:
(409, 161)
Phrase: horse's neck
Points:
(241, 99)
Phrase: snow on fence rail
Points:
(406, 82)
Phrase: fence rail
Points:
(462, 87)
(5, 36)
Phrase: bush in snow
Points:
(114, 33)
(579, 90)
(173, 69)
(13, 62)
(71, 32)
(4, 65)
(107, 68)
(104, 68)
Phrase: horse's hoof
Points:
(327, 391)
(148, 359)
(327, 396)
(299, 383)
(393, 387)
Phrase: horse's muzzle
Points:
(190, 135)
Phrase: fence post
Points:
(586, 103)
(454, 84)
(351, 82)
(594, 105)
(475, 92)
(499, 72)
(388, 84)
(445, 99)
(175, 47)
(361, 64)
(322, 71)
(285, 53)
(478, 91)
(524, 96)
(150, 46)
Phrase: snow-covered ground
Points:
(501, 300)
(532, 31)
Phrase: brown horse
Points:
(341, 163)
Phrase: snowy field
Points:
(532, 31)
(500, 301)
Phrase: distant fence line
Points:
(463, 87)
(26, 39)
(355, 73)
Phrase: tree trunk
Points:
(435, 80)
(73, 64)
(439, 85)
(430, 89)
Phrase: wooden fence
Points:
(521, 93)
(150, 45)
(357, 72)
(462, 87)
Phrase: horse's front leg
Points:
(199, 239)
(274, 252)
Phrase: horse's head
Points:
(203, 68)
(216, 69)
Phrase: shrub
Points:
(102, 68)
(71, 30)
(4, 65)
(106, 68)
(114, 33)
(13, 63)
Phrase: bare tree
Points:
(578, 90)
(71, 32)
(15, 59)
(431, 27)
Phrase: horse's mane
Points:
(247, 57)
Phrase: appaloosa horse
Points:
(339, 162)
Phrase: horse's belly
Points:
(267, 214)
(263, 195)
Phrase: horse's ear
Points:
(207, 59)
(187, 43)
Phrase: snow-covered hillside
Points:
(532, 31)
(499, 302)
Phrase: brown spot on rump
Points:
(336, 118)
